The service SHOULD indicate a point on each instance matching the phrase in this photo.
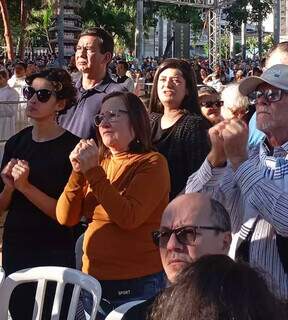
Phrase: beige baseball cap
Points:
(276, 76)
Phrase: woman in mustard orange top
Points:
(122, 187)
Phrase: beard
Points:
(265, 125)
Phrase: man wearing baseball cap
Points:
(252, 184)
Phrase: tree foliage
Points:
(14, 12)
(116, 16)
(253, 11)
(247, 11)
(119, 16)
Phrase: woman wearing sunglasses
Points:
(35, 169)
(210, 104)
(122, 187)
(178, 128)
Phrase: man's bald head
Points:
(198, 205)
(190, 212)
(278, 54)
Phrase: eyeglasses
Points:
(185, 235)
(212, 104)
(110, 116)
(270, 95)
(43, 95)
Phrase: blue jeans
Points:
(117, 292)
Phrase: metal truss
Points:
(204, 4)
(214, 36)
(214, 9)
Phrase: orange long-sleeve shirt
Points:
(124, 198)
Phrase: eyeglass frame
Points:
(51, 92)
(156, 235)
(265, 94)
(109, 120)
(212, 104)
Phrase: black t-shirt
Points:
(26, 226)
(185, 146)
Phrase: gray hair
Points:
(219, 215)
(232, 99)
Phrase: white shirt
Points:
(18, 84)
(259, 187)
(7, 115)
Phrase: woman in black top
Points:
(179, 131)
(35, 169)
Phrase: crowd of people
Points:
(179, 190)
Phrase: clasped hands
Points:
(15, 175)
(84, 156)
(228, 142)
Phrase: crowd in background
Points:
(119, 151)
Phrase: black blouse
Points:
(185, 146)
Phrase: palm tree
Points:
(40, 22)
(7, 29)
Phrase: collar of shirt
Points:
(274, 161)
(100, 87)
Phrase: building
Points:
(283, 20)
(72, 26)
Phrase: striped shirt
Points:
(258, 188)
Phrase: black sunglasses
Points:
(43, 95)
(210, 104)
(185, 235)
(270, 95)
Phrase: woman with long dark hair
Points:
(178, 127)
(217, 288)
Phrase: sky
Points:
(268, 23)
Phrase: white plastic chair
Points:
(79, 252)
(42, 275)
(2, 276)
(118, 313)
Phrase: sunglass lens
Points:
(28, 92)
(253, 96)
(219, 104)
(273, 96)
(187, 236)
(98, 119)
(43, 95)
(156, 238)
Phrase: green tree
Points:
(252, 45)
(254, 11)
(18, 12)
(38, 26)
(119, 16)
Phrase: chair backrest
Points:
(2, 276)
(79, 252)
(119, 312)
(42, 275)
